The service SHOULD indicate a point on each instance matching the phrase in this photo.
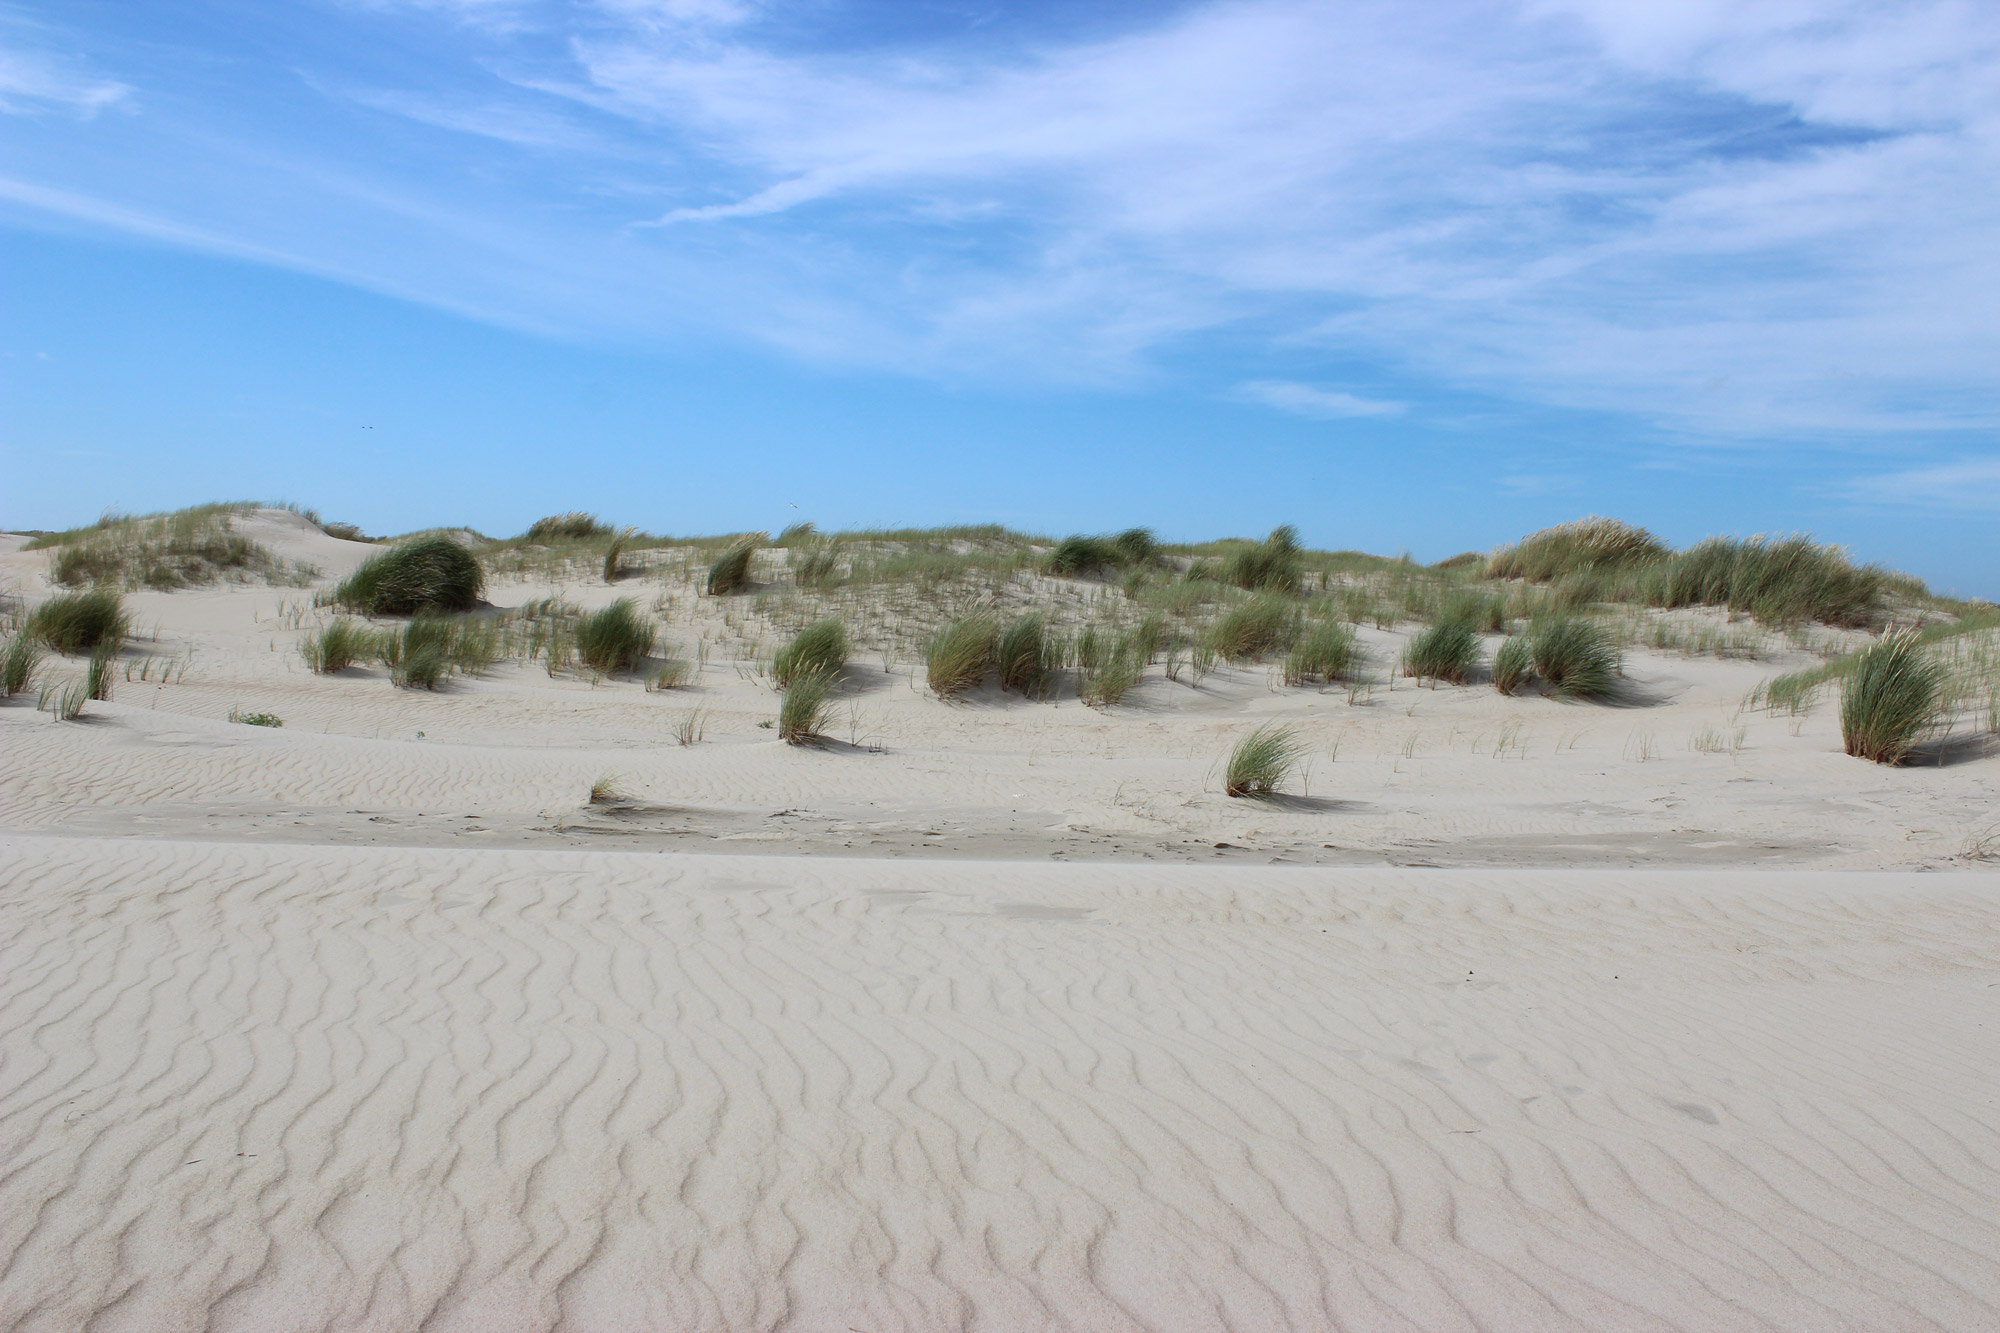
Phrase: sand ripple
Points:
(251, 1087)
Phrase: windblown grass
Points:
(341, 643)
(615, 638)
(797, 534)
(1324, 651)
(1255, 628)
(64, 698)
(1891, 699)
(959, 654)
(1272, 565)
(731, 569)
(820, 649)
(608, 789)
(1573, 657)
(1024, 655)
(1447, 651)
(1587, 543)
(1513, 664)
(1780, 580)
(426, 574)
(75, 622)
(1109, 664)
(671, 674)
(103, 662)
(806, 709)
(1082, 555)
(614, 556)
(18, 662)
(1263, 761)
(575, 526)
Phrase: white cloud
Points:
(1308, 401)
(1967, 484)
(31, 80)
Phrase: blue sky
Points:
(1412, 277)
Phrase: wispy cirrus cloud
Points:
(37, 80)
(1307, 400)
(1968, 483)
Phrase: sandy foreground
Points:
(370, 1022)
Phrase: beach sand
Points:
(1524, 1015)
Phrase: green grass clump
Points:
(164, 551)
(614, 556)
(815, 563)
(806, 709)
(1574, 657)
(731, 569)
(1079, 554)
(426, 574)
(64, 698)
(75, 622)
(341, 643)
(575, 526)
(1447, 651)
(1779, 580)
(797, 534)
(1586, 543)
(820, 649)
(614, 638)
(1271, 565)
(255, 719)
(103, 660)
(1324, 651)
(1255, 628)
(17, 664)
(418, 658)
(1025, 656)
(1891, 699)
(958, 655)
(1513, 664)
(1262, 761)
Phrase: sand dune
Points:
(259, 1087)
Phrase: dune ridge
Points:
(253, 1086)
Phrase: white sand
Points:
(525, 1065)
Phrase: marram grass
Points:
(806, 709)
(820, 649)
(76, 622)
(1262, 762)
(614, 638)
(958, 656)
(1447, 651)
(1574, 658)
(1891, 700)
(427, 574)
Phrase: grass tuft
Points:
(608, 791)
(820, 649)
(1573, 657)
(424, 574)
(958, 655)
(614, 638)
(1513, 664)
(1025, 656)
(614, 555)
(1323, 652)
(731, 569)
(337, 646)
(575, 526)
(1447, 651)
(670, 674)
(1262, 761)
(1255, 628)
(1271, 565)
(1585, 543)
(17, 664)
(103, 659)
(806, 709)
(75, 622)
(1891, 699)
(255, 719)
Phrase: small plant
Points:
(103, 660)
(255, 719)
(1112, 676)
(615, 638)
(731, 569)
(341, 643)
(806, 710)
(692, 724)
(1081, 555)
(957, 657)
(614, 556)
(670, 674)
(17, 664)
(64, 698)
(1574, 658)
(1272, 565)
(1024, 656)
(1262, 762)
(1513, 664)
(1261, 625)
(1890, 701)
(820, 649)
(1324, 652)
(424, 574)
(575, 526)
(76, 622)
(1447, 651)
(419, 657)
(607, 791)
